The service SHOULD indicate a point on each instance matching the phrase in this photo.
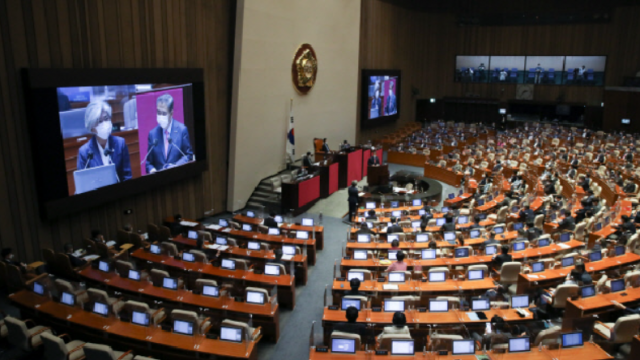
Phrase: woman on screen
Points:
(103, 148)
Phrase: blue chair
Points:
(589, 76)
(551, 74)
(589, 71)
(532, 74)
(569, 76)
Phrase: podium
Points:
(378, 175)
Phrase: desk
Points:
(457, 201)
(598, 304)
(447, 176)
(417, 160)
(300, 196)
(625, 209)
(263, 315)
(317, 228)
(285, 283)
(378, 175)
(89, 326)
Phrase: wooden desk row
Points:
(445, 175)
(147, 339)
(258, 221)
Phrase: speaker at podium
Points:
(94, 178)
(378, 175)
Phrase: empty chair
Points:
(548, 336)
(622, 331)
(56, 349)
(444, 341)
(104, 352)
(155, 315)
(137, 241)
(153, 233)
(202, 325)
(249, 332)
(157, 278)
(204, 282)
(168, 248)
(164, 233)
(264, 292)
(484, 268)
(19, 335)
(123, 267)
(579, 232)
(367, 273)
(63, 285)
(96, 295)
(509, 273)
(345, 335)
(558, 300)
(551, 74)
(122, 237)
(440, 269)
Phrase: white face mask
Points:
(104, 130)
(163, 121)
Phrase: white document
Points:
(188, 223)
(214, 227)
(145, 236)
(533, 276)
(287, 257)
(564, 246)
(473, 316)
(226, 230)
(111, 243)
(91, 257)
(389, 287)
(223, 247)
(361, 193)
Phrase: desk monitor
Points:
(38, 288)
(343, 346)
(607, 220)
(288, 250)
(498, 229)
(460, 193)
(392, 237)
(444, 209)
(273, 231)
(103, 266)
(360, 255)
(364, 238)
(437, 276)
(481, 304)
(188, 257)
(307, 222)
(369, 224)
(278, 219)
(568, 261)
(452, 196)
(139, 318)
(255, 297)
(519, 301)
(462, 253)
(440, 221)
(192, 234)
(251, 214)
(463, 220)
(480, 202)
(421, 212)
(475, 274)
(134, 274)
(482, 216)
(396, 213)
(221, 240)
(489, 198)
(416, 202)
(223, 223)
(228, 264)
(515, 209)
(518, 226)
(350, 302)
(420, 238)
(543, 242)
(370, 205)
(183, 327)
(393, 305)
(474, 234)
(595, 256)
(395, 204)
(393, 254)
(246, 227)
(416, 224)
(68, 298)
(463, 347)
(537, 267)
(304, 235)
(564, 237)
(491, 250)
(100, 308)
(587, 291)
(572, 340)
(211, 291)
(396, 276)
(272, 269)
(154, 249)
(438, 305)
(253, 245)
(355, 275)
(598, 226)
(620, 250)
(552, 216)
(617, 285)
(170, 283)
(229, 333)
(519, 246)
(520, 344)
(402, 347)
(449, 236)
(429, 254)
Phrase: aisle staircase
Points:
(267, 195)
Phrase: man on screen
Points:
(168, 144)
(103, 148)
(390, 107)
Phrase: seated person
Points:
(394, 228)
(567, 222)
(502, 258)
(175, 226)
(364, 229)
(526, 214)
(9, 258)
(395, 245)
(498, 330)
(75, 261)
(580, 275)
(433, 244)
(270, 222)
(491, 240)
(351, 326)
(449, 225)
(476, 223)
(460, 239)
(399, 326)
(355, 288)
(627, 225)
(399, 265)
(371, 215)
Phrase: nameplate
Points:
(376, 309)
(423, 279)
(381, 279)
(341, 279)
(443, 352)
(238, 299)
(347, 258)
(382, 352)
(177, 257)
(422, 309)
(322, 349)
(333, 307)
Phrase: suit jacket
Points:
(568, 223)
(120, 156)
(270, 222)
(353, 195)
(374, 161)
(76, 261)
(179, 136)
(325, 147)
(526, 215)
(390, 106)
(600, 158)
(306, 161)
(395, 228)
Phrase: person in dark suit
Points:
(354, 284)
(351, 326)
(374, 160)
(502, 258)
(476, 223)
(583, 181)
(497, 167)
(353, 199)
(600, 158)
(168, 143)
(270, 222)
(627, 225)
(390, 107)
(629, 187)
(364, 229)
(75, 261)
(306, 161)
(345, 146)
(9, 259)
(580, 275)
(567, 223)
(628, 156)
(175, 227)
(325, 146)
(103, 148)
(371, 215)
(449, 225)
(526, 214)
(394, 228)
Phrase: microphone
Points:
(174, 145)
(89, 158)
(155, 142)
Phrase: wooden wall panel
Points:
(109, 33)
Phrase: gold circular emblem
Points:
(304, 68)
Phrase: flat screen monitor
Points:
(463, 347)
(223, 223)
(421, 238)
(364, 238)
(626, 121)
(537, 267)
(255, 297)
(103, 266)
(543, 242)
(474, 234)
(139, 318)
(587, 291)
(307, 222)
(572, 340)
(452, 196)
(564, 237)
(355, 275)
(192, 234)
(360, 255)
(480, 304)
(170, 283)
(437, 276)
(518, 226)
(183, 327)
(221, 241)
(396, 213)
(273, 231)
(188, 257)
(520, 344)
(598, 226)
(396, 277)
(595, 256)
(370, 205)
(552, 216)
(480, 202)
(272, 269)
(393, 305)
(303, 235)
(68, 298)
(429, 254)
(617, 285)
(489, 198)
(476, 274)
(100, 308)
(246, 227)
(253, 245)
(438, 305)
(491, 250)
(395, 204)
(288, 250)
(278, 219)
(416, 202)
(462, 252)
(519, 301)
(515, 209)
(38, 288)
(421, 212)
(402, 347)
(568, 261)
(519, 246)
(233, 334)
(369, 224)
(228, 264)
(440, 221)
(463, 220)
(350, 302)
(502, 111)
(415, 224)
(498, 230)
(251, 214)
(620, 250)
(482, 216)
(449, 235)
(343, 346)
(392, 237)
(212, 291)
(444, 209)
(134, 274)
(154, 249)
(393, 254)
